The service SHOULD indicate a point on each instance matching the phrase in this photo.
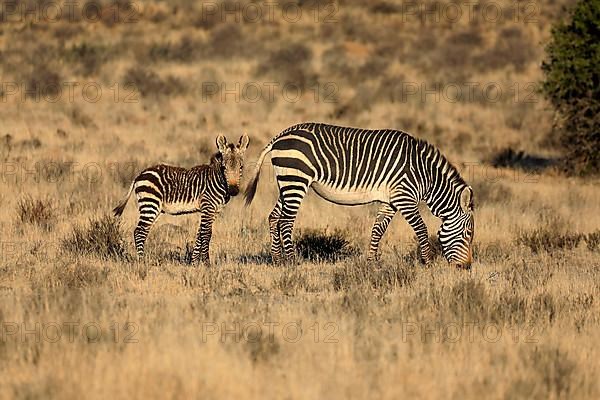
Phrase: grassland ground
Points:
(81, 317)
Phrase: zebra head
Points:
(232, 161)
(456, 233)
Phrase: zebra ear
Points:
(221, 143)
(244, 142)
(466, 199)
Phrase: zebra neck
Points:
(218, 173)
(446, 186)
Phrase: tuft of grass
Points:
(548, 239)
(101, 237)
(38, 212)
(379, 277)
(313, 245)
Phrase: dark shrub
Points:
(316, 246)
(89, 57)
(101, 237)
(572, 84)
(510, 158)
(149, 84)
(511, 48)
(43, 82)
(291, 64)
(549, 238)
(185, 50)
(38, 212)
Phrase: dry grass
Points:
(523, 323)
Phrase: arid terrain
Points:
(90, 98)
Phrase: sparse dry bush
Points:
(383, 277)
(290, 65)
(593, 240)
(511, 158)
(185, 50)
(291, 281)
(76, 275)
(322, 247)
(489, 192)
(511, 48)
(101, 237)
(549, 373)
(149, 84)
(88, 57)
(549, 238)
(43, 81)
(38, 212)
(262, 348)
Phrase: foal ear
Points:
(466, 199)
(244, 142)
(221, 143)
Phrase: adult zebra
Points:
(353, 166)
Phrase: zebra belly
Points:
(351, 197)
(180, 208)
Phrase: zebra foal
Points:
(174, 190)
(352, 166)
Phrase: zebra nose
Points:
(233, 190)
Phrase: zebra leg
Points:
(416, 222)
(146, 220)
(201, 247)
(384, 217)
(275, 232)
(289, 209)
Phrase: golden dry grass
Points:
(80, 317)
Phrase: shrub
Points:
(43, 82)
(593, 240)
(291, 64)
(316, 246)
(548, 238)
(102, 237)
(572, 84)
(38, 212)
(511, 158)
(185, 50)
(511, 47)
(148, 83)
(89, 57)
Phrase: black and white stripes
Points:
(357, 166)
(174, 190)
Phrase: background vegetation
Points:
(522, 324)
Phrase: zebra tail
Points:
(253, 184)
(118, 210)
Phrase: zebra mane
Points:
(216, 158)
(437, 158)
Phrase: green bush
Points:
(572, 84)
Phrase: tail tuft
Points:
(118, 210)
(251, 190)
